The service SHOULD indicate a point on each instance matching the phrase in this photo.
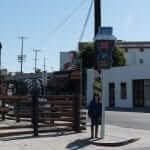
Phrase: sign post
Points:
(104, 43)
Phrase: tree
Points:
(88, 55)
(38, 70)
(118, 57)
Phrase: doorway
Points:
(138, 93)
(111, 94)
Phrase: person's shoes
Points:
(92, 137)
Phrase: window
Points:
(142, 49)
(123, 93)
(141, 61)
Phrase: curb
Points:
(115, 144)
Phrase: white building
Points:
(136, 52)
(64, 57)
(129, 86)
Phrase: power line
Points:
(86, 21)
(21, 57)
(67, 18)
(35, 59)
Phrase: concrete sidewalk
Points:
(114, 134)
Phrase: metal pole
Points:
(102, 133)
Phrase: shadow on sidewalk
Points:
(80, 143)
(136, 109)
(47, 135)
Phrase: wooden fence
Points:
(36, 115)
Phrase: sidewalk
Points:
(114, 134)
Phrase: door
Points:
(111, 94)
(138, 93)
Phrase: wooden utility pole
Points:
(36, 54)
(21, 57)
(97, 19)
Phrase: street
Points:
(135, 120)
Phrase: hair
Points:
(99, 95)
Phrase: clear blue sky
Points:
(37, 20)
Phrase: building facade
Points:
(136, 53)
(129, 86)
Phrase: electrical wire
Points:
(67, 18)
(86, 21)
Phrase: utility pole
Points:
(35, 59)
(21, 57)
(0, 64)
(98, 24)
(97, 18)
(44, 64)
(44, 77)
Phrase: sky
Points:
(42, 22)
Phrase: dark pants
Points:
(94, 128)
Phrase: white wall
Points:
(131, 56)
(90, 81)
(123, 74)
(134, 55)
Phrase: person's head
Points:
(97, 97)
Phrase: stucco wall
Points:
(134, 55)
(123, 74)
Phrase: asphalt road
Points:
(136, 120)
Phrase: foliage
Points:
(38, 70)
(88, 55)
(118, 57)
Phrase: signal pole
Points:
(97, 15)
(21, 57)
(35, 59)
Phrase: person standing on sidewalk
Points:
(95, 113)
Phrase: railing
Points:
(41, 114)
